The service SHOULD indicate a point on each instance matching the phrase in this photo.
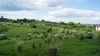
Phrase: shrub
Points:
(89, 35)
(33, 26)
(3, 28)
(19, 46)
(82, 37)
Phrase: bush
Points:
(3, 28)
(19, 46)
(33, 26)
(89, 35)
(82, 37)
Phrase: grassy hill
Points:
(34, 38)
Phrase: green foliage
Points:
(3, 28)
(90, 35)
(33, 38)
(33, 26)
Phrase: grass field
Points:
(18, 34)
(66, 48)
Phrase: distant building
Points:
(97, 28)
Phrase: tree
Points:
(33, 26)
(81, 37)
(19, 46)
(43, 20)
(89, 35)
(2, 18)
(49, 30)
(25, 20)
(62, 23)
(71, 23)
(3, 28)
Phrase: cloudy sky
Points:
(83, 11)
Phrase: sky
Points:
(83, 11)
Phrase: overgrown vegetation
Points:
(43, 38)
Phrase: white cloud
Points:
(32, 4)
(52, 10)
(27, 4)
(19, 14)
(76, 15)
(70, 12)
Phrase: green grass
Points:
(78, 48)
(66, 48)
(19, 31)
